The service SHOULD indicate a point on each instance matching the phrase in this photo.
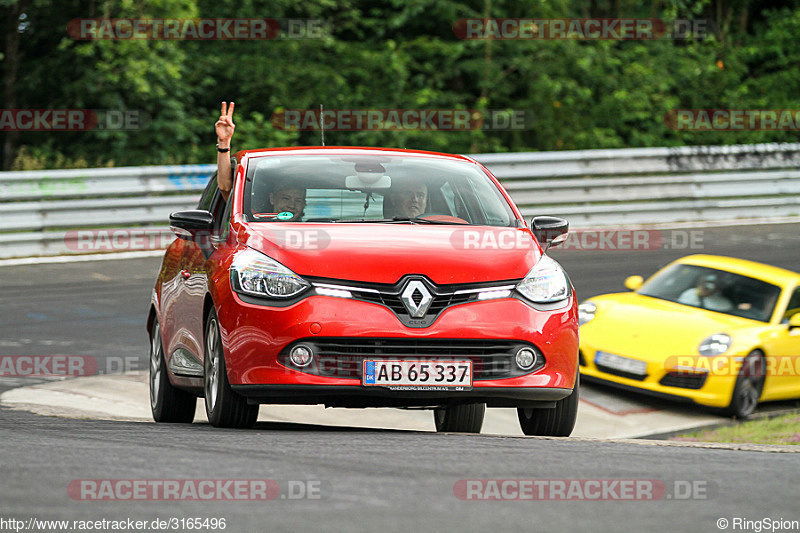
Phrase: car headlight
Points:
(586, 312)
(716, 344)
(545, 283)
(259, 275)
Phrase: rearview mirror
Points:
(794, 321)
(550, 231)
(366, 181)
(191, 225)
(633, 282)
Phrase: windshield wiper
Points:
(420, 220)
(371, 220)
(401, 220)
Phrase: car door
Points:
(196, 283)
(783, 352)
(186, 306)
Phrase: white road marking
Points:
(76, 258)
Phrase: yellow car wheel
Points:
(749, 385)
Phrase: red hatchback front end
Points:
(364, 278)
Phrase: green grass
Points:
(779, 430)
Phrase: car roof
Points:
(743, 267)
(352, 150)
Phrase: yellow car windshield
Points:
(715, 290)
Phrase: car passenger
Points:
(409, 199)
(224, 128)
(285, 197)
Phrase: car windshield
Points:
(715, 290)
(367, 188)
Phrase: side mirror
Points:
(794, 321)
(633, 282)
(191, 225)
(550, 231)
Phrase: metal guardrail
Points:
(654, 185)
(589, 187)
(40, 208)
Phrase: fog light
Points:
(301, 355)
(526, 358)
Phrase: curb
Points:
(668, 435)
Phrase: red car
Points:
(363, 277)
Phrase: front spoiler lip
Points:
(639, 390)
(358, 395)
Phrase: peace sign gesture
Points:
(225, 125)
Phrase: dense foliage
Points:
(391, 54)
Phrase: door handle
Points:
(185, 274)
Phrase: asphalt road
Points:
(380, 480)
(370, 480)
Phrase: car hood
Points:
(383, 253)
(647, 328)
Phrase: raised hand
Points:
(225, 126)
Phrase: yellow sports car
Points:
(719, 331)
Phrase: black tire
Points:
(224, 408)
(463, 418)
(167, 403)
(553, 422)
(749, 386)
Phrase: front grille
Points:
(417, 297)
(344, 357)
(684, 380)
(391, 299)
(388, 295)
(620, 373)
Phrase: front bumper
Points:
(713, 391)
(254, 335)
(358, 396)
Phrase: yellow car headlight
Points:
(716, 344)
(586, 312)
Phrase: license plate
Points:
(418, 375)
(623, 364)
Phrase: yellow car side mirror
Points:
(633, 282)
(794, 321)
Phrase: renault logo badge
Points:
(417, 298)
